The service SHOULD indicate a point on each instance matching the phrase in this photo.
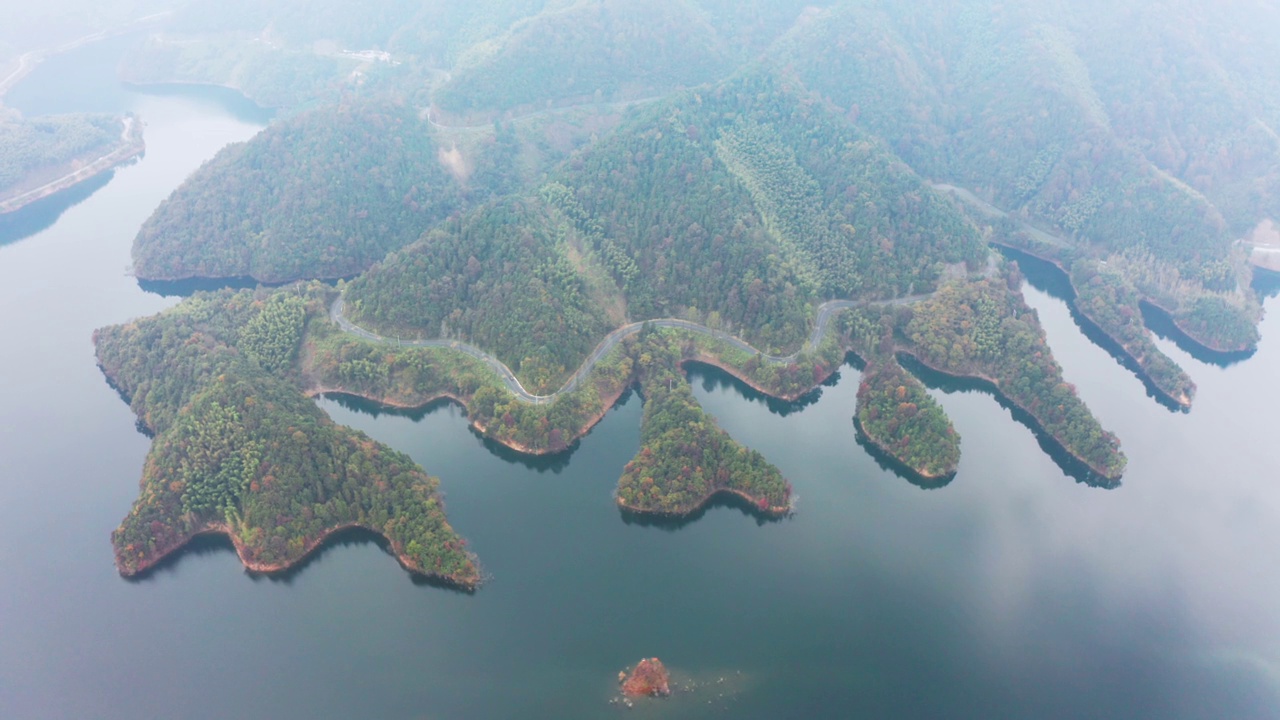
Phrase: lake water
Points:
(1013, 592)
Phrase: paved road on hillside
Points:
(990, 210)
(820, 326)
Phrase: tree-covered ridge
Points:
(1217, 322)
(1111, 289)
(685, 458)
(999, 99)
(1057, 113)
(33, 148)
(500, 278)
(240, 449)
(696, 208)
(597, 49)
(898, 415)
(748, 200)
(1107, 298)
(1194, 89)
(334, 361)
(983, 329)
(904, 227)
(324, 194)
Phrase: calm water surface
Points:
(1012, 592)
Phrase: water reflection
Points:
(187, 288)
(714, 378)
(190, 286)
(217, 543)
(202, 545)
(1162, 324)
(554, 463)
(235, 103)
(1069, 465)
(889, 463)
(350, 538)
(1049, 278)
(42, 214)
(679, 522)
(1266, 283)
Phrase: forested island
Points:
(45, 155)
(538, 208)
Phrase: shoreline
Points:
(715, 362)
(1199, 344)
(993, 386)
(1128, 357)
(916, 474)
(254, 566)
(773, 512)
(131, 146)
(30, 60)
(607, 403)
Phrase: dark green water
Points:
(1013, 592)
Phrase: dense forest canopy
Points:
(599, 51)
(1161, 144)
(1162, 150)
(745, 201)
(741, 205)
(525, 300)
(323, 194)
(28, 145)
(524, 177)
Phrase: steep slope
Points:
(1015, 102)
(321, 195)
(500, 278)
(741, 206)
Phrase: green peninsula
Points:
(41, 156)
(239, 449)
(899, 417)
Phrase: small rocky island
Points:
(649, 679)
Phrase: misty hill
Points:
(323, 194)
(742, 205)
(1134, 166)
(1138, 132)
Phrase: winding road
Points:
(822, 322)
